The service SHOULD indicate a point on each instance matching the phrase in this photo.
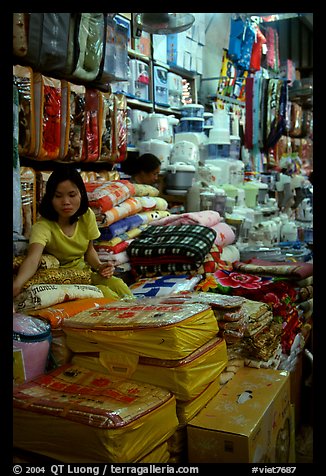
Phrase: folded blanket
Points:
(121, 226)
(206, 218)
(224, 234)
(144, 190)
(103, 197)
(130, 206)
(295, 270)
(105, 246)
(188, 241)
(149, 217)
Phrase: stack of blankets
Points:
(287, 287)
(253, 339)
(178, 244)
(109, 394)
(155, 340)
(122, 211)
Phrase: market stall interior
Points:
(209, 356)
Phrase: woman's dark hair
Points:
(59, 175)
(144, 163)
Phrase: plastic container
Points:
(179, 176)
(208, 119)
(138, 86)
(31, 347)
(218, 151)
(289, 231)
(192, 110)
(161, 92)
(175, 90)
(158, 148)
(235, 143)
(191, 124)
(193, 197)
(207, 130)
(185, 151)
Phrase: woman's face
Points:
(66, 199)
(149, 178)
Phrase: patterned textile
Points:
(131, 206)
(164, 285)
(103, 197)
(143, 190)
(296, 270)
(105, 246)
(187, 242)
(58, 312)
(60, 276)
(278, 293)
(120, 226)
(152, 203)
(224, 234)
(47, 262)
(148, 217)
(44, 295)
(205, 217)
(212, 260)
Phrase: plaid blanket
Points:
(188, 242)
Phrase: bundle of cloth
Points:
(172, 249)
(190, 243)
(117, 199)
(224, 234)
(280, 284)
(123, 210)
(247, 326)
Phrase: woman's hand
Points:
(106, 269)
(16, 289)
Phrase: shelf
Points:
(141, 104)
(167, 109)
(177, 69)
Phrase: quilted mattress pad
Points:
(77, 415)
(149, 327)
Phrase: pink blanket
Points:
(206, 217)
(224, 234)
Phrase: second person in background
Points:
(143, 170)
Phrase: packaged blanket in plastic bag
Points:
(75, 414)
(186, 378)
(150, 327)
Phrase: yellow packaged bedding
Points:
(187, 410)
(150, 327)
(186, 378)
(75, 415)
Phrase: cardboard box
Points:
(176, 45)
(248, 421)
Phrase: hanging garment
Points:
(272, 56)
(114, 63)
(24, 80)
(249, 99)
(278, 114)
(256, 53)
(237, 28)
(47, 99)
(246, 46)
